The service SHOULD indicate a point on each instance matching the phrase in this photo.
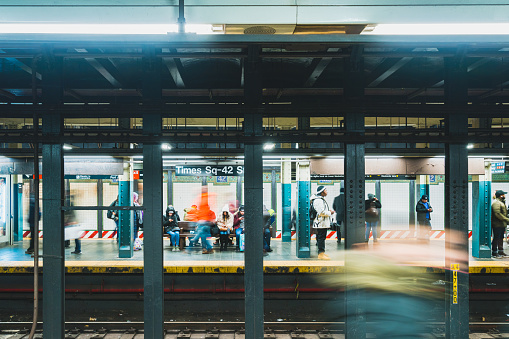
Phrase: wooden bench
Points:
(185, 231)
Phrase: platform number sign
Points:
(432, 179)
(455, 268)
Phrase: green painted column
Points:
(126, 217)
(286, 186)
(303, 224)
(481, 214)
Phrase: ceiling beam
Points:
(21, 65)
(393, 69)
(7, 94)
(319, 65)
(175, 68)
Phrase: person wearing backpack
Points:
(113, 215)
(372, 215)
(320, 214)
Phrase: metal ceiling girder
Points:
(221, 111)
(7, 94)
(100, 66)
(176, 69)
(319, 67)
(393, 69)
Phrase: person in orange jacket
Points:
(205, 218)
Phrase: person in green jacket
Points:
(499, 222)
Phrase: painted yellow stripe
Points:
(218, 267)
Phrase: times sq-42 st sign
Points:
(210, 170)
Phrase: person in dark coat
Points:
(171, 227)
(372, 205)
(31, 223)
(424, 210)
(499, 222)
(339, 206)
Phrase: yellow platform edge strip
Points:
(235, 269)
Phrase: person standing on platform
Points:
(424, 210)
(339, 206)
(372, 205)
(321, 223)
(31, 222)
(113, 215)
(138, 222)
(499, 222)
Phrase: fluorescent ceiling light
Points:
(106, 28)
(67, 147)
(470, 146)
(166, 147)
(437, 29)
(269, 147)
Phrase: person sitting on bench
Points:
(225, 224)
(171, 227)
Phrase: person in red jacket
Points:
(205, 218)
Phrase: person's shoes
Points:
(502, 254)
(205, 251)
(265, 253)
(221, 249)
(323, 256)
(30, 251)
(76, 252)
(269, 250)
(496, 255)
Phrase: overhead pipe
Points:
(36, 197)
(181, 19)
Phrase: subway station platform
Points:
(101, 256)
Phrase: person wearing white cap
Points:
(322, 220)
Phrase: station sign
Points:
(498, 167)
(210, 170)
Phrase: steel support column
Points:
(273, 198)
(238, 193)
(303, 247)
(456, 186)
(354, 169)
(169, 191)
(286, 187)
(17, 207)
(481, 214)
(253, 195)
(153, 281)
(100, 202)
(53, 200)
(125, 220)
(53, 250)
(411, 208)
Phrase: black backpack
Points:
(312, 211)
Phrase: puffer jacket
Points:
(170, 222)
(225, 224)
(323, 213)
(499, 214)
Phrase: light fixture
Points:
(67, 147)
(269, 147)
(166, 147)
(437, 29)
(470, 146)
(45, 28)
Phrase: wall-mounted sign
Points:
(497, 167)
(323, 177)
(210, 170)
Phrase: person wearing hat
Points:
(424, 209)
(372, 204)
(322, 221)
(499, 221)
